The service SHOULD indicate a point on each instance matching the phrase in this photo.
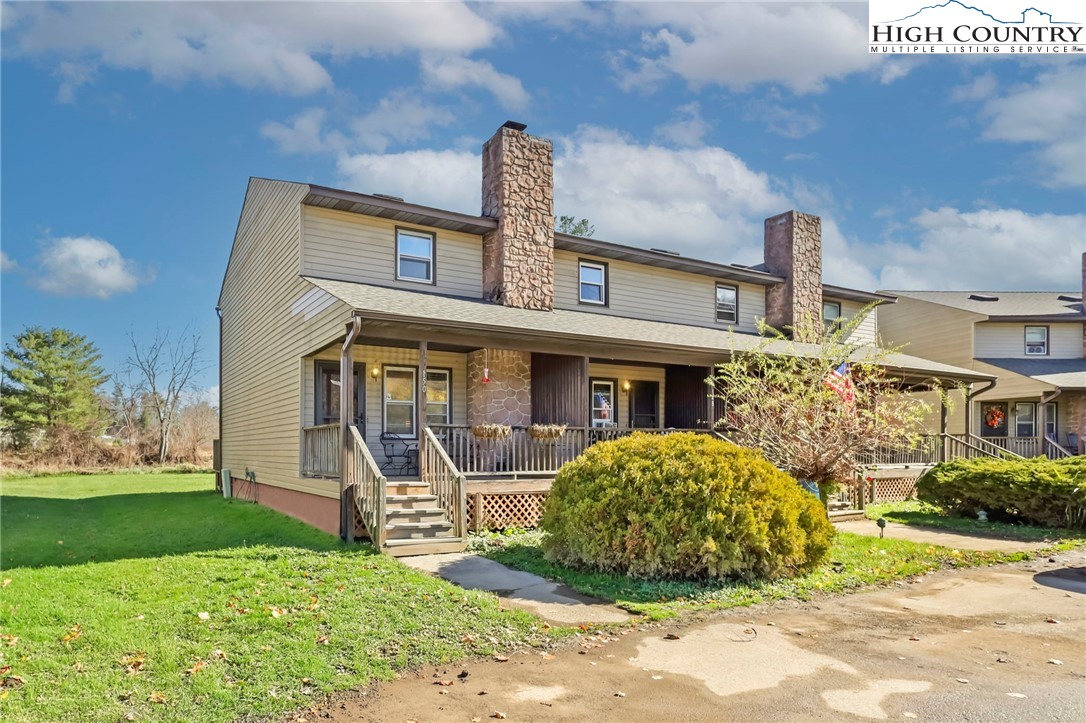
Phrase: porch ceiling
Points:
(453, 316)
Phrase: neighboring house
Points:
(1034, 342)
(363, 337)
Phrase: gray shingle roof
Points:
(1062, 373)
(475, 314)
(1007, 303)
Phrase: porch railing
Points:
(320, 450)
(369, 485)
(445, 481)
(520, 453)
(995, 446)
(925, 451)
(963, 448)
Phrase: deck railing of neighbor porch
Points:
(445, 481)
(1055, 450)
(521, 454)
(369, 488)
(925, 451)
(320, 450)
(993, 446)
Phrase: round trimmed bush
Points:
(682, 505)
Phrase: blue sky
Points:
(130, 130)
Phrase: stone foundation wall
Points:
(507, 398)
(793, 249)
(518, 190)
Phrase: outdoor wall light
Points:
(626, 386)
(375, 371)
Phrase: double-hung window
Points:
(831, 314)
(1036, 340)
(602, 403)
(399, 401)
(727, 303)
(414, 256)
(438, 397)
(592, 283)
(1051, 426)
(1025, 419)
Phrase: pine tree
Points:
(50, 379)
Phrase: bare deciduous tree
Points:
(165, 370)
(197, 424)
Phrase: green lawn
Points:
(855, 562)
(150, 596)
(923, 514)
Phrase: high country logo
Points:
(976, 26)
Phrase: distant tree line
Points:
(59, 407)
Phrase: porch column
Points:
(710, 401)
(968, 401)
(346, 414)
(420, 409)
(942, 430)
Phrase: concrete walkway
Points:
(549, 600)
(931, 536)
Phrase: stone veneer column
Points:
(518, 190)
(793, 249)
(507, 398)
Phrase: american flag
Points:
(840, 381)
(603, 405)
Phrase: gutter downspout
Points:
(969, 405)
(218, 472)
(346, 398)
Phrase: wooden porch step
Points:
(417, 530)
(418, 514)
(435, 546)
(403, 487)
(410, 502)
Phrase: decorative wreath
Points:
(994, 417)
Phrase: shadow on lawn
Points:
(40, 531)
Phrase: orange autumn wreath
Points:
(994, 417)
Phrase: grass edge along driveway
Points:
(148, 597)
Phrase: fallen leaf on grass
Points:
(133, 663)
(11, 681)
(204, 616)
(219, 654)
(7, 581)
(322, 640)
(196, 668)
(75, 632)
(9, 640)
(157, 697)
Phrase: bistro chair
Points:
(401, 454)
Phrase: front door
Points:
(993, 419)
(644, 405)
(326, 406)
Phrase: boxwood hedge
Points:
(682, 505)
(1038, 491)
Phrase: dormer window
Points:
(593, 283)
(1036, 340)
(414, 256)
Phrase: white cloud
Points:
(72, 76)
(446, 179)
(686, 128)
(1050, 113)
(401, 117)
(84, 266)
(7, 263)
(453, 73)
(1002, 249)
(781, 119)
(275, 46)
(738, 45)
(305, 134)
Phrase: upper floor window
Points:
(831, 314)
(1036, 340)
(414, 256)
(593, 283)
(727, 303)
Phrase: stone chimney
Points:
(793, 249)
(518, 190)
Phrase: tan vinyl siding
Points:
(271, 318)
(866, 331)
(380, 357)
(1006, 340)
(621, 373)
(930, 331)
(351, 247)
(645, 292)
